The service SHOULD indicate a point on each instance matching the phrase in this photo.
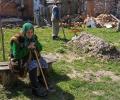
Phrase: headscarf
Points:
(26, 27)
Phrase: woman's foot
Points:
(40, 92)
(55, 37)
(51, 89)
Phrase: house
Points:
(92, 7)
(16, 8)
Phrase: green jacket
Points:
(19, 45)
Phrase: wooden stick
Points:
(3, 47)
(115, 18)
(63, 31)
(41, 70)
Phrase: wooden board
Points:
(49, 59)
(4, 63)
(4, 66)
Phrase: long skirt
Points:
(34, 64)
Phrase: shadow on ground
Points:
(22, 91)
(64, 39)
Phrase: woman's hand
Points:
(31, 45)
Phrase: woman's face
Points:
(29, 33)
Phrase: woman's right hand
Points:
(31, 45)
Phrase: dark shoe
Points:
(40, 92)
(55, 37)
(51, 89)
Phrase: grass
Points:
(70, 88)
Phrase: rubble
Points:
(95, 46)
(72, 20)
(106, 20)
(118, 27)
(103, 20)
(90, 22)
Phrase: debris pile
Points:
(106, 20)
(72, 20)
(95, 46)
(90, 22)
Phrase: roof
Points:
(52, 1)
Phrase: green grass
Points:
(67, 88)
(110, 35)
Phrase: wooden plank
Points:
(49, 58)
(11, 20)
(4, 63)
(4, 68)
(115, 18)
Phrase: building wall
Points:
(29, 8)
(105, 6)
(92, 7)
(11, 9)
(7, 9)
(83, 7)
(118, 9)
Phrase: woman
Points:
(22, 46)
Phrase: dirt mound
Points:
(87, 43)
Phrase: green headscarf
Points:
(27, 26)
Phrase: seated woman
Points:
(22, 50)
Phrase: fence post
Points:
(2, 35)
